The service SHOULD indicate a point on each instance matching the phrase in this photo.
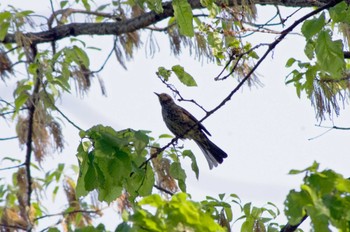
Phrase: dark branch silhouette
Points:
(68, 212)
(163, 190)
(291, 228)
(8, 138)
(120, 27)
(29, 143)
(12, 167)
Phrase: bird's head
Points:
(164, 98)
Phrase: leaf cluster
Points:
(324, 78)
(324, 196)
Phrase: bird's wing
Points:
(200, 125)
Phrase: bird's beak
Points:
(156, 94)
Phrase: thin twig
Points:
(238, 57)
(12, 167)
(106, 60)
(13, 111)
(163, 190)
(49, 23)
(176, 92)
(329, 129)
(52, 225)
(160, 29)
(61, 113)
(8, 138)
(291, 228)
(340, 128)
(65, 117)
(67, 212)
(69, 11)
(318, 136)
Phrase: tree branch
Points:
(12, 167)
(291, 228)
(61, 113)
(163, 190)
(31, 114)
(11, 112)
(68, 212)
(8, 138)
(117, 28)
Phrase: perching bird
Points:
(180, 121)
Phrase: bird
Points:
(185, 126)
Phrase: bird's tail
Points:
(212, 153)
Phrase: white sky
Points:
(264, 131)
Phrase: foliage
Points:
(106, 164)
(129, 166)
(324, 196)
(324, 78)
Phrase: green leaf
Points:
(343, 185)
(294, 206)
(140, 141)
(53, 229)
(21, 100)
(246, 208)
(123, 227)
(153, 200)
(183, 76)
(194, 165)
(177, 172)
(313, 168)
(3, 30)
(340, 13)
(24, 13)
(309, 49)
(83, 58)
(163, 72)
(63, 4)
(184, 17)
(99, 228)
(216, 43)
(213, 8)
(107, 167)
(54, 193)
(248, 225)
(5, 18)
(155, 5)
(102, 7)
(313, 26)
(86, 4)
(83, 169)
(290, 62)
(329, 53)
(140, 183)
(229, 214)
(320, 197)
(165, 136)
